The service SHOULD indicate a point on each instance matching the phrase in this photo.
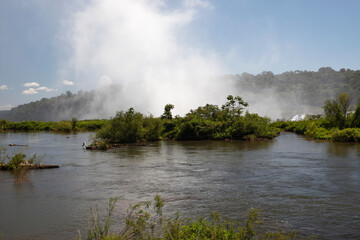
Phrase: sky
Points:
(48, 47)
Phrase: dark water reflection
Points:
(313, 187)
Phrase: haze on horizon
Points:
(162, 52)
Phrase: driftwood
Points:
(17, 145)
(40, 166)
(116, 146)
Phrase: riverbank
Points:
(318, 129)
(61, 126)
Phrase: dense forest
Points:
(311, 88)
(292, 92)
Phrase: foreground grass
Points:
(147, 221)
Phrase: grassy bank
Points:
(340, 122)
(320, 129)
(147, 221)
(62, 126)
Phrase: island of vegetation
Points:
(19, 163)
(208, 122)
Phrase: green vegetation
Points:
(229, 122)
(62, 126)
(147, 221)
(337, 124)
(130, 127)
(18, 163)
(208, 122)
(167, 111)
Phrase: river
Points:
(312, 187)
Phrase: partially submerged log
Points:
(97, 146)
(115, 145)
(17, 145)
(29, 166)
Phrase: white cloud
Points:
(46, 89)
(4, 87)
(6, 107)
(30, 91)
(142, 46)
(66, 82)
(31, 84)
(195, 3)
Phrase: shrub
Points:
(322, 134)
(123, 128)
(18, 163)
(152, 128)
(346, 135)
(197, 129)
(63, 126)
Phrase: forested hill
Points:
(83, 105)
(63, 107)
(306, 87)
(287, 92)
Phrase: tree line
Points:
(299, 87)
(339, 123)
(305, 87)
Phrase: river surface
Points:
(312, 187)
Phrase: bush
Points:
(346, 135)
(63, 126)
(322, 134)
(252, 126)
(18, 163)
(152, 128)
(123, 128)
(198, 129)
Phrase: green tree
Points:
(234, 106)
(123, 128)
(74, 123)
(336, 110)
(209, 111)
(167, 111)
(356, 117)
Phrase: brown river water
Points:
(312, 187)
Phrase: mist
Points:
(141, 54)
(145, 48)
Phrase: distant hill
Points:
(83, 105)
(311, 88)
(275, 95)
(287, 94)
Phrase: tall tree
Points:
(167, 111)
(234, 105)
(336, 110)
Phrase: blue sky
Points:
(243, 36)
